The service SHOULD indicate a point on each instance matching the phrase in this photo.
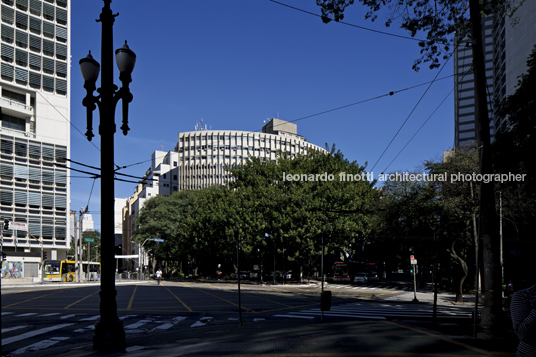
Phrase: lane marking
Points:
(82, 299)
(296, 316)
(39, 345)
(132, 298)
(232, 303)
(92, 318)
(27, 314)
(202, 322)
(12, 328)
(444, 338)
(38, 297)
(7, 341)
(176, 297)
(137, 324)
(167, 325)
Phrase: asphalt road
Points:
(36, 318)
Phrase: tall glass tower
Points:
(34, 133)
(507, 47)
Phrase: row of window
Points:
(31, 199)
(35, 8)
(34, 150)
(236, 140)
(43, 231)
(228, 147)
(35, 62)
(35, 80)
(35, 43)
(34, 175)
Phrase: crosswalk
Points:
(49, 329)
(383, 311)
(370, 287)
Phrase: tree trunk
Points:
(459, 283)
(492, 313)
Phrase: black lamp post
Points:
(109, 334)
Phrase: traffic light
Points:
(6, 224)
(44, 255)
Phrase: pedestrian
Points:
(158, 275)
(523, 311)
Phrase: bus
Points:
(65, 270)
(341, 271)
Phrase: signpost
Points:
(92, 240)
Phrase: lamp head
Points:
(89, 68)
(125, 58)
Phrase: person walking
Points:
(523, 311)
(158, 275)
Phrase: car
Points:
(372, 277)
(360, 278)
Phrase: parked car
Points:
(360, 278)
(373, 277)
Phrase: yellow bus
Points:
(65, 270)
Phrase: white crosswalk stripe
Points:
(38, 345)
(7, 341)
(383, 311)
(5, 330)
(25, 339)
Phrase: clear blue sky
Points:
(236, 63)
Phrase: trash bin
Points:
(325, 300)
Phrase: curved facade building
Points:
(204, 154)
(199, 160)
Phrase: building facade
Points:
(506, 48)
(34, 132)
(200, 159)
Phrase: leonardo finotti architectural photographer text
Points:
(406, 176)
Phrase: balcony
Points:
(14, 108)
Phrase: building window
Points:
(14, 123)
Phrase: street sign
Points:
(413, 261)
(89, 240)
(158, 240)
(17, 226)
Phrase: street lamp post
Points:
(109, 333)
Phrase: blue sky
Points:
(236, 63)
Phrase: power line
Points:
(362, 101)
(346, 23)
(426, 121)
(412, 111)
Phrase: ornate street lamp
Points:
(109, 334)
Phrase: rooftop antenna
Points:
(162, 145)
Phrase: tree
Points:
(441, 20)
(94, 247)
(165, 217)
(458, 207)
(300, 199)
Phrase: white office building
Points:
(34, 133)
(200, 158)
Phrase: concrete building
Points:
(506, 51)
(199, 160)
(34, 132)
